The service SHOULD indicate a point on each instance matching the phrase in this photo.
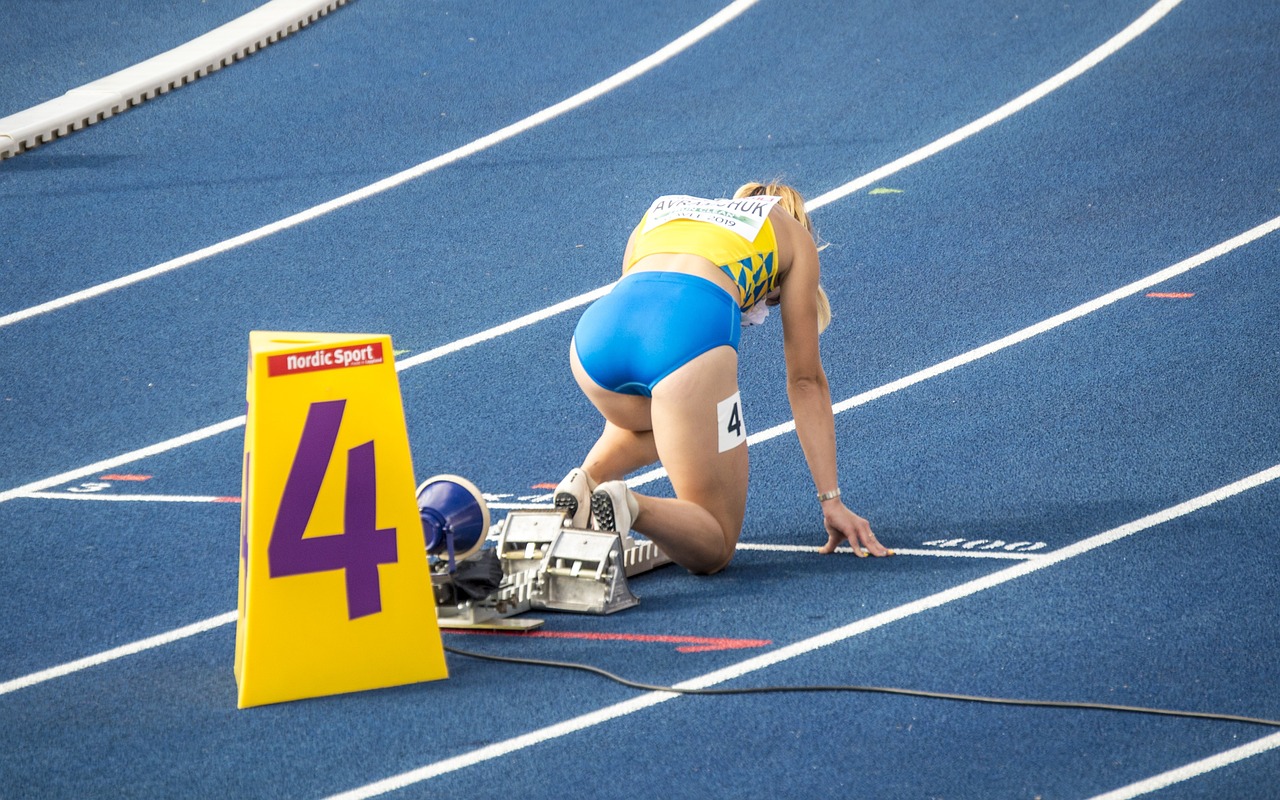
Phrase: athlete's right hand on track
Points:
(844, 525)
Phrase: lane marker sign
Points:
(335, 590)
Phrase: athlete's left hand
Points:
(844, 525)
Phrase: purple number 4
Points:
(361, 546)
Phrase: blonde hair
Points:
(793, 203)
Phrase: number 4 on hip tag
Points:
(732, 430)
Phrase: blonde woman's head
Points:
(793, 203)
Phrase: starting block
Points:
(584, 571)
(546, 564)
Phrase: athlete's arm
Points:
(807, 387)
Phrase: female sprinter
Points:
(658, 357)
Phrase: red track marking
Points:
(1172, 295)
(688, 644)
(543, 486)
(125, 478)
(226, 499)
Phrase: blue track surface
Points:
(1160, 153)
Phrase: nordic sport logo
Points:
(325, 358)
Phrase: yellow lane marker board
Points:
(335, 590)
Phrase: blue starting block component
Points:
(455, 517)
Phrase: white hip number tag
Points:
(733, 431)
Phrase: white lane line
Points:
(1108, 48)
(782, 654)
(500, 506)
(63, 670)
(231, 424)
(1181, 267)
(1018, 337)
(898, 551)
(125, 458)
(778, 548)
(1193, 770)
(132, 498)
(1086, 308)
(1154, 13)
(503, 329)
(661, 56)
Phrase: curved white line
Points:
(711, 25)
(63, 670)
(221, 427)
(1093, 59)
(1017, 337)
(805, 646)
(1141, 24)
(101, 497)
(1052, 557)
(1194, 769)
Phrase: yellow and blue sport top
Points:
(735, 235)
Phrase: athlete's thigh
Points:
(627, 411)
(700, 438)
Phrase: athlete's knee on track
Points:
(717, 567)
(718, 562)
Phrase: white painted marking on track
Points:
(503, 329)
(805, 646)
(938, 369)
(1093, 59)
(975, 354)
(897, 551)
(99, 467)
(71, 667)
(661, 56)
(132, 498)
(231, 424)
(1194, 769)
(1014, 338)
(583, 299)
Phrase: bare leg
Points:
(700, 528)
(619, 452)
(626, 444)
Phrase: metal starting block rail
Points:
(549, 565)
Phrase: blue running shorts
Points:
(651, 324)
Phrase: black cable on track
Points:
(969, 698)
